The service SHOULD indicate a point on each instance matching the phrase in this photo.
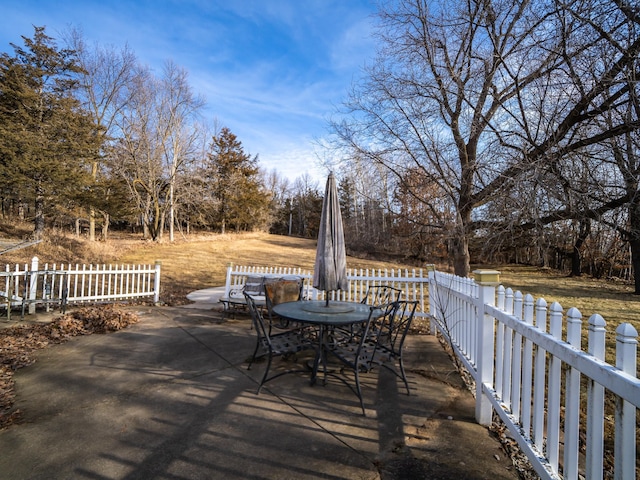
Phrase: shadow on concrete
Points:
(170, 397)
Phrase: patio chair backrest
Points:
(396, 326)
(378, 295)
(272, 345)
(281, 290)
(258, 322)
(254, 285)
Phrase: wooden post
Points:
(156, 283)
(227, 284)
(595, 402)
(625, 416)
(487, 280)
(33, 285)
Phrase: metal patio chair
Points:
(391, 336)
(376, 296)
(285, 343)
(359, 352)
(253, 285)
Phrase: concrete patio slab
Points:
(171, 398)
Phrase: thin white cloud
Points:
(354, 46)
(272, 71)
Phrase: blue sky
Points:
(272, 71)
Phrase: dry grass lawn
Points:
(200, 261)
(188, 264)
(612, 299)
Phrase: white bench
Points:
(234, 299)
(239, 280)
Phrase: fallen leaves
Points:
(18, 343)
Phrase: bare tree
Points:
(306, 206)
(588, 151)
(178, 111)
(480, 96)
(280, 211)
(159, 138)
(366, 200)
(138, 154)
(108, 74)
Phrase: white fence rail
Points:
(538, 382)
(413, 283)
(34, 285)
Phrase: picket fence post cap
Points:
(487, 277)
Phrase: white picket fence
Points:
(33, 285)
(524, 370)
(413, 283)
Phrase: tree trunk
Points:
(634, 241)
(92, 224)
(105, 226)
(171, 206)
(635, 262)
(161, 226)
(38, 222)
(576, 256)
(576, 260)
(460, 250)
(92, 210)
(461, 256)
(145, 226)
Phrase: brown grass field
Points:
(200, 261)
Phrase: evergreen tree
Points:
(236, 184)
(46, 139)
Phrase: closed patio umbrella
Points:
(330, 269)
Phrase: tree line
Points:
(90, 138)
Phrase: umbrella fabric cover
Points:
(330, 269)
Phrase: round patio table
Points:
(317, 313)
(336, 314)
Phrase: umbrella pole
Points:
(326, 304)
